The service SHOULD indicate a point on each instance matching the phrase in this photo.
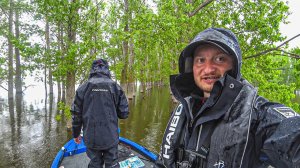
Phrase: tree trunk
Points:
(45, 86)
(125, 46)
(61, 49)
(10, 63)
(46, 67)
(70, 80)
(125, 58)
(70, 87)
(96, 30)
(63, 96)
(131, 79)
(49, 62)
(58, 91)
(70, 92)
(18, 78)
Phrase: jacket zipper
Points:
(187, 99)
(249, 125)
(199, 135)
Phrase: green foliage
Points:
(58, 117)
(273, 78)
(61, 106)
(295, 69)
(155, 33)
(3, 71)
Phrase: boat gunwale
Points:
(81, 148)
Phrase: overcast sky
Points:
(292, 29)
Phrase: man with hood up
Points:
(221, 122)
(98, 104)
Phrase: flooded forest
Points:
(47, 48)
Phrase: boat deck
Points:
(82, 160)
(75, 161)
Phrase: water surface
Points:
(32, 137)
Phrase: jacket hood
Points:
(219, 37)
(100, 67)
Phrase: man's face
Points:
(210, 64)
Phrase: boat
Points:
(131, 155)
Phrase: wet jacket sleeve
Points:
(279, 132)
(76, 111)
(122, 105)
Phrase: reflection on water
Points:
(149, 114)
(33, 139)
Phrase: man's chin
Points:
(206, 89)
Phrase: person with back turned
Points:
(221, 121)
(98, 104)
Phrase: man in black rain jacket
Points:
(221, 122)
(98, 104)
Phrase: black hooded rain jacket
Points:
(234, 128)
(98, 104)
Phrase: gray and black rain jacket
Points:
(98, 104)
(243, 129)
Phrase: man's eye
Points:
(220, 58)
(199, 60)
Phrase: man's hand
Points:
(77, 140)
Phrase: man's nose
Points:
(209, 67)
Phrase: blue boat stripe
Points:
(140, 148)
